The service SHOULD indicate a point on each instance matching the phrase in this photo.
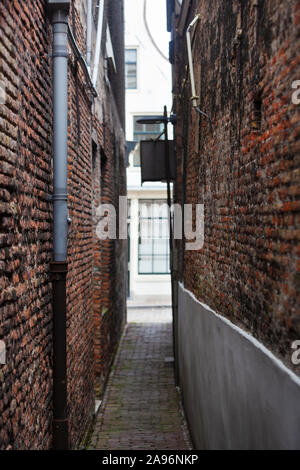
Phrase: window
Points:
(144, 132)
(153, 237)
(130, 69)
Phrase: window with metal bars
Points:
(153, 248)
(131, 69)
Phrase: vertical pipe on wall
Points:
(98, 42)
(89, 35)
(58, 267)
(190, 58)
(60, 439)
(60, 132)
(194, 97)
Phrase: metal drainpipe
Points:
(89, 35)
(97, 53)
(58, 267)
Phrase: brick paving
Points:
(141, 406)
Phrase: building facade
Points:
(238, 295)
(147, 81)
(96, 308)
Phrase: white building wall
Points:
(153, 92)
(153, 71)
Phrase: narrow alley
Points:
(149, 227)
(141, 406)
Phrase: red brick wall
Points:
(25, 241)
(110, 256)
(244, 169)
(26, 230)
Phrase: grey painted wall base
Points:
(236, 394)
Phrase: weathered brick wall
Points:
(245, 167)
(110, 256)
(25, 241)
(26, 229)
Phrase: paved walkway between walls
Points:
(141, 407)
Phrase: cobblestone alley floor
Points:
(141, 407)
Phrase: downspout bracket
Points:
(59, 5)
(56, 268)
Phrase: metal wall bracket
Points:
(59, 5)
(58, 270)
